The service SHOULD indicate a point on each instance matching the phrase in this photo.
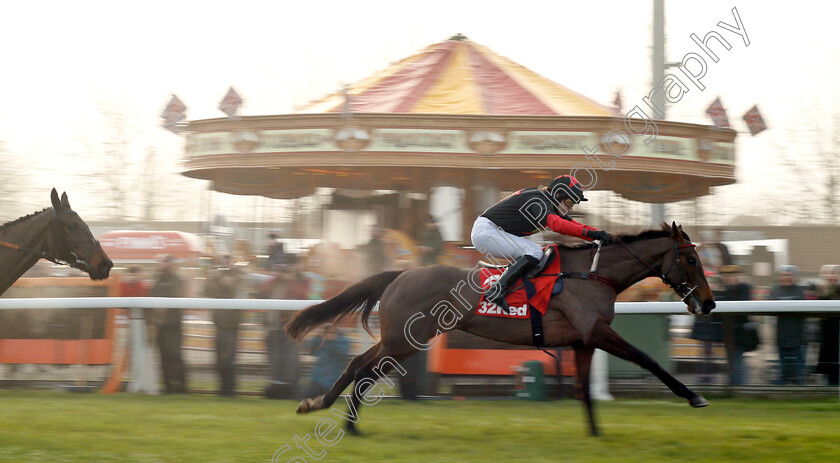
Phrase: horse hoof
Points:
(353, 431)
(698, 401)
(307, 405)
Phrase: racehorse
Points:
(57, 234)
(416, 305)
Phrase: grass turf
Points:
(67, 427)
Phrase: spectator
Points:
(223, 283)
(789, 328)
(412, 383)
(827, 363)
(715, 254)
(169, 284)
(431, 242)
(374, 251)
(740, 335)
(297, 287)
(708, 330)
(330, 348)
(317, 285)
(131, 285)
(282, 351)
(277, 254)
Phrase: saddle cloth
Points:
(517, 299)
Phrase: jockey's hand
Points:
(599, 235)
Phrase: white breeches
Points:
(490, 240)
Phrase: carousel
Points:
(456, 114)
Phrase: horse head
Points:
(74, 243)
(682, 267)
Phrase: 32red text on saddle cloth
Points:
(517, 300)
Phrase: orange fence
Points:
(92, 343)
(479, 359)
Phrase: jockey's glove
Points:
(599, 235)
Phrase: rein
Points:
(35, 252)
(591, 276)
(681, 288)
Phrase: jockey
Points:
(499, 230)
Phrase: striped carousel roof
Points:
(459, 76)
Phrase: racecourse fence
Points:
(763, 364)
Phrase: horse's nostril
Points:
(708, 305)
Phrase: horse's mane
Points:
(663, 232)
(20, 219)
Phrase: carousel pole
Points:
(467, 205)
(424, 187)
(657, 210)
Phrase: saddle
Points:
(529, 294)
(549, 253)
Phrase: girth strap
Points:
(537, 336)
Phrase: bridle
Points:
(61, 252)
(680, 288)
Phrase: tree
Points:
(10, 185)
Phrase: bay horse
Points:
(57, 234)
(418, 304)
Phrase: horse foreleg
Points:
(323, 401)
(605, 338)
(583, 364)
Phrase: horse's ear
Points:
(56, 203)
(674, 231)
(64, 201)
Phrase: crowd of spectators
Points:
(318, 273)
(315, 274)
(806, 348)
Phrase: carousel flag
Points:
(175, 112)
(230, 103)
(754, 121)
(718, 114)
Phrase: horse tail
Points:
(361, 296)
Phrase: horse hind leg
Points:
(605, 338)
(365, 380)
(358, 363)
(583, 365)
(361, 385)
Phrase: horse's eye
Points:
(73, 226)
(691, 261)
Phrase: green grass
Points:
(67, 427)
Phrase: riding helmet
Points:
(566, 186)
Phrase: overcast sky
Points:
(60, 60)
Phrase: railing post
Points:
(599, 387)
(140, 361)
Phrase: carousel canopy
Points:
(455, 114)
(459, 77)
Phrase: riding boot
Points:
(496, 293)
